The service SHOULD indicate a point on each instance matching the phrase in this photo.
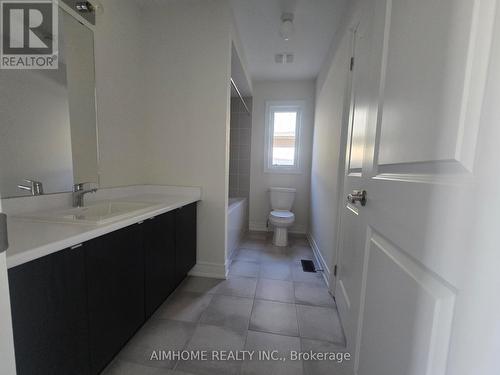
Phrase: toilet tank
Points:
(282, 198)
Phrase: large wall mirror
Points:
(48, 130)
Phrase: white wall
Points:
(187, 111)
(239, 68)
(119, 71)
(328, 155)
(260, 182)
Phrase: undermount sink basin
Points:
(98, 213)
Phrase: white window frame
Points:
(283, 106)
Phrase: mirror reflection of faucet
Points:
(34, 187)
(79, 194)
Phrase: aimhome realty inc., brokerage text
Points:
(247, 355)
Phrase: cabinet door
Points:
(159, 258)
(185, 240)
(115, 280)
(49, 314)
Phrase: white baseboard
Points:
(257, 226)
(319, 259)
(206, 269)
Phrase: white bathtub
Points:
(237, 223)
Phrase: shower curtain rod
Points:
(240, 96)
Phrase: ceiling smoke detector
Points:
(286, 29)
(283, 58)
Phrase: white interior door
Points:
(351, 248)
(419, 79)
(7, 361)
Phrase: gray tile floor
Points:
(267, 303)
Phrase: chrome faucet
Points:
(34, 187)
(79, 194)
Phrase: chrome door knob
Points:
(357, 196)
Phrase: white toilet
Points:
(281, 216)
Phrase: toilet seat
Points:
(282, 217)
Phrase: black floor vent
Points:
(308, 265)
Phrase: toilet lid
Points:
(282, 214)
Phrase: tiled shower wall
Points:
(239, 158)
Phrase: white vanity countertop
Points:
(30, 240)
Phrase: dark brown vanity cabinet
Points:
(185, 240)
(48, 299)
(169, 253)
(115, 289)
(159, 260)
(75, 309)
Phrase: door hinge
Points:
(335, 270)
(351, 64)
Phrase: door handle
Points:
(357, 196)
(4, 242)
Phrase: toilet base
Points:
(280, 236)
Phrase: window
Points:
(283, 120)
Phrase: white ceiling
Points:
(259, 21)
